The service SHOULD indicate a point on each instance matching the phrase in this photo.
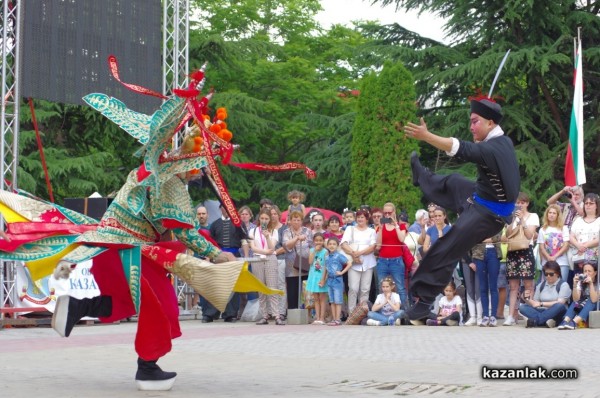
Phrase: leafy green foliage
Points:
(535, 87)
(84, 152)
(380, 154)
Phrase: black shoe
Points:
(206, 319)
(530, 323)
(150, 377)
(420, 310)
(69, 311)
(416, 167)
(231, 319)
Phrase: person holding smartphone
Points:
(390, 238)
(263, 240)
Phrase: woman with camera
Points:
(390, 238)
(585, 297)
(263, 240)
(572, 205)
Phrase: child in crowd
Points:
(315, 275)
(296, 199)
(334, 228)
(585, 297)
(336, 266)
(349, 219)
(386, 309)
(450, 308)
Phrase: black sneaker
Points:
(419, 310)
(530, 323)
(206, 319)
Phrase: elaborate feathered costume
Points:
(131, 259)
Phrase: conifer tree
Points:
(381, 154)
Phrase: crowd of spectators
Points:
(367, 256)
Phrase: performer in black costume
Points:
(484, 206)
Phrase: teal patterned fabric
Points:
(39, 249)
(135, 124)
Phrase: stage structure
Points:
(175, 29)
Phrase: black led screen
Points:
(65, 45)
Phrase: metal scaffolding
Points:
(176, 28)
(175, 74)
(9, 126)
(176, 32)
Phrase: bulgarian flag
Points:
(574, 168)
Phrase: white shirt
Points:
(448, 307)
(387, 309)
(495, 132)
(551, 239)
(362, 240)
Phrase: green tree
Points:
(286, 94)
(84, 152)
(380, 154)
(534, 87)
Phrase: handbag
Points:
(301, 262)
(354, 247)
(517, 239)
(407, 258)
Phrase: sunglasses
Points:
(549, 273)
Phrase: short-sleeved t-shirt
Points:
(448, 307)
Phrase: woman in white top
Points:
(359, 242)
(584, 234)
(553, 240)
(520, 264)
(263, 240)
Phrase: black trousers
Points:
(291, 284)
(231, 311)
(474, 224)
(232, 308)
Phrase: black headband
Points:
(487, 110)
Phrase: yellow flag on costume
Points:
(10, 215)
(215, 282)
(45, 266)
(248, 283)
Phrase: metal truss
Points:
(10, 27)
(176, 28)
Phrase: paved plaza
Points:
(244, 360)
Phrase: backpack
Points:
(558, 286)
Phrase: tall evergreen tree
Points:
(534, 88)
(380, 154)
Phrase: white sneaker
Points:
(493, 322)
(551, 323)
(373, 322)
(398, 322)
(471, 322)
(485, 322)
(510, 321)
